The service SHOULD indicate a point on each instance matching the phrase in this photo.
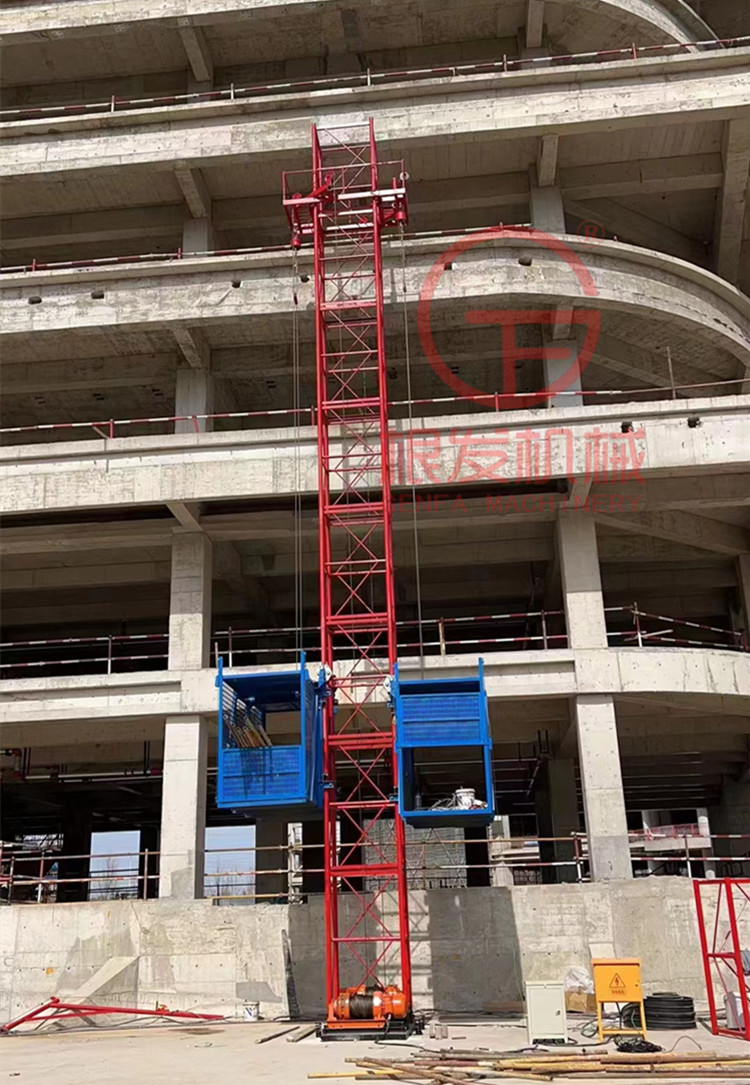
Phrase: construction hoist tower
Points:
(368, 741)
(342, 208)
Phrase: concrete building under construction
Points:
(563, 340)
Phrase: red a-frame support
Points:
(720, 903)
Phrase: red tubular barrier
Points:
(478, 400)
(369, 78)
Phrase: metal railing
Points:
(497, 631)
(641, 634)
(111, 428)
(369, 78)
(433, 862)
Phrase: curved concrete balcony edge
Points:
(675, 19)
(626, 278)
(289, 108)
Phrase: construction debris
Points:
(460, 1068)
(275, 1035)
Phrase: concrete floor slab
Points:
(198, 1053)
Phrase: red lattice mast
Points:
(343, 216)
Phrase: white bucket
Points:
(252, 1011)
(466, 798)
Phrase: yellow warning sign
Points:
(617, 980)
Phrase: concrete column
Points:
(565, 369)
(547, 212)
(556, 803)
(194, 394)
(270, 833)
(548, 215)
(601, 782)
(499, 834)
(149, 866)
(197, 235)
(190, 601)
(183, 807)
(733, 816)
(743, 580)
(313, 857)
(76, 841)
(581, 581)
(477, 852)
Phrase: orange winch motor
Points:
(368, 1004)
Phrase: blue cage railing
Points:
(253, 772)
(450, 715)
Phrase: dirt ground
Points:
(228, 1052)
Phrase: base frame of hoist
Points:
(394, 1029)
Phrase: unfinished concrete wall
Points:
(472, 948)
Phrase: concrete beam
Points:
(197, 51)
(629, 280)
(546, 160)
(248, 591)
(193, 345)
(644, 176)
(39, 539)
(193, 186)
(647, 365)
(672, 21)
(684, 173)
(637, 229)
(682, 527)
(83, 576)
(534, 24)
(80, 374)
(92, 227)
(713, 682)
(650, 93)
(187, 514)
(124, 472)
(718, 491)
(730, 209)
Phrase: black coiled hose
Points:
(665, 1010)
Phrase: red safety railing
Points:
(642, 634)
(435, 860)
(184, 254)
(369, 78)
(241, 646)
(111, 428)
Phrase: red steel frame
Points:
(56, 1010)
(344, 216)
(723, 959)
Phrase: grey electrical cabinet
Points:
(545, 1012)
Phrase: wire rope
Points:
(410, 459)
(297, 472)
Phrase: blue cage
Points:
(449, 715)
(254, 773)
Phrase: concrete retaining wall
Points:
(471, 948)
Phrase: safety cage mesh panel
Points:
(441, 720)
